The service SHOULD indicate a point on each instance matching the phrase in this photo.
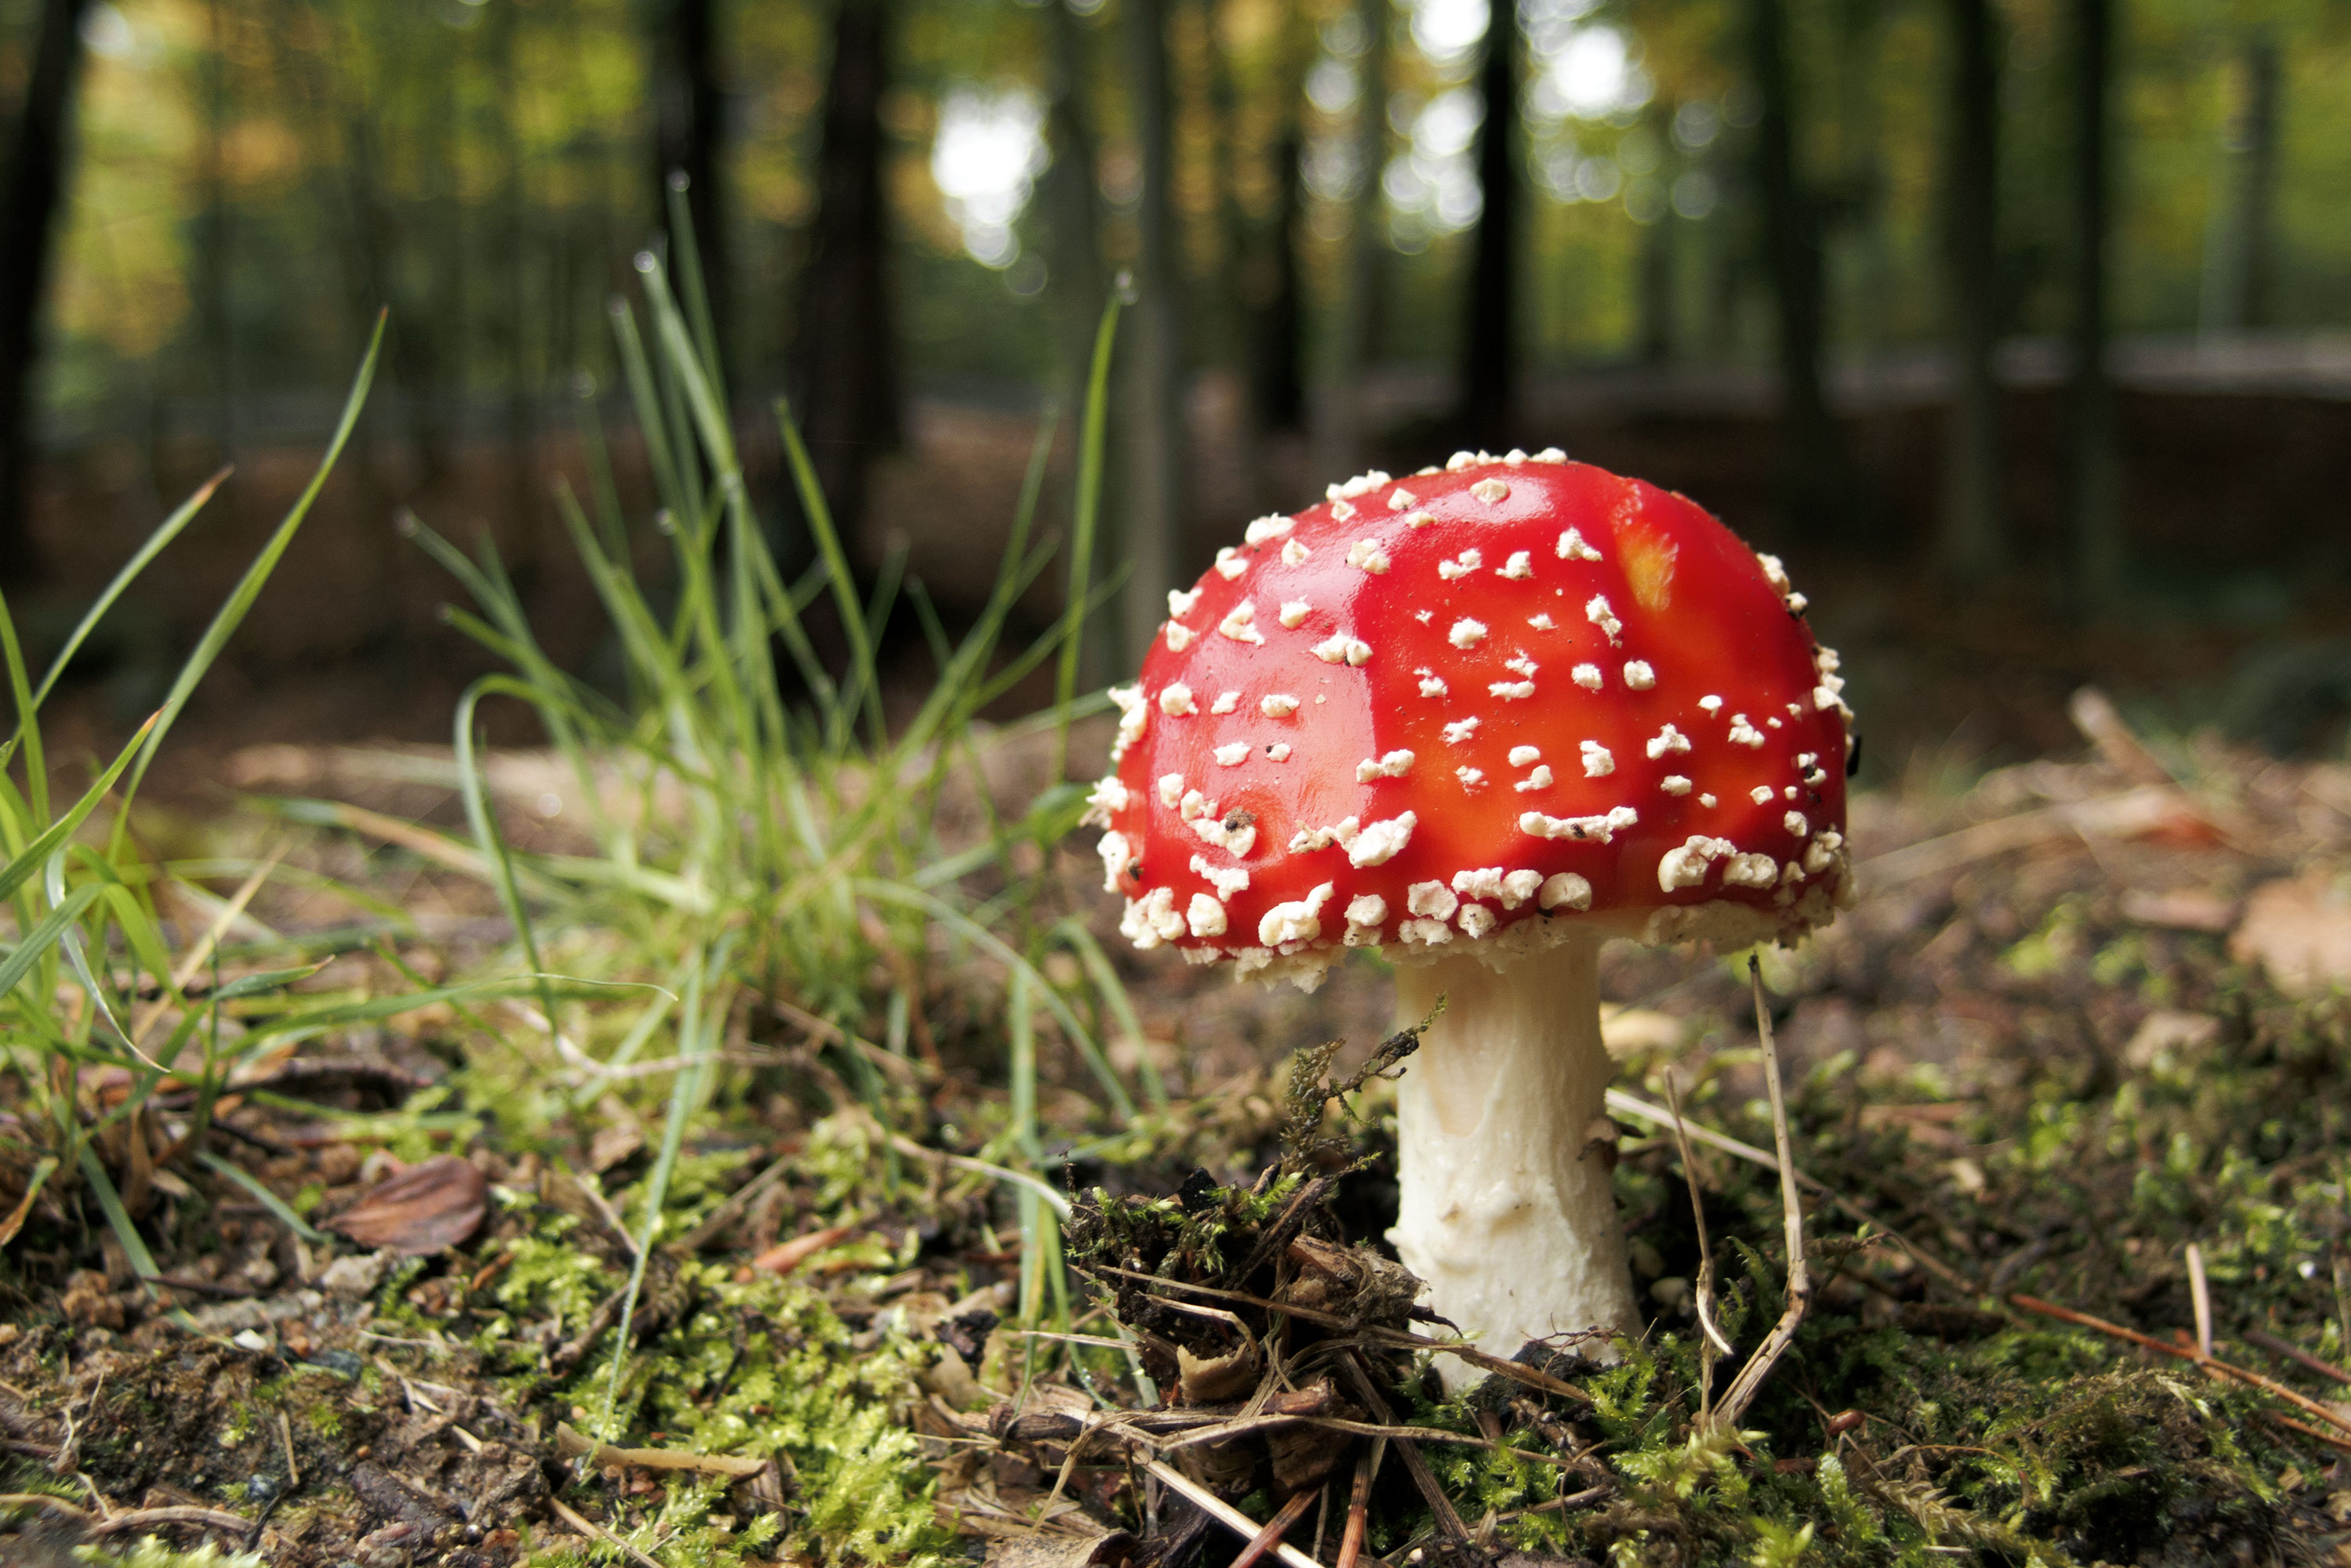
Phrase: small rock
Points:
(347, 1363)
(249, 1339)
(357, 1275)
(89, 1301)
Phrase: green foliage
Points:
(151, 1553)
(760, 831)
(90, 946)
(764, 1369)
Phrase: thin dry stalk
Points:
(154, 1518)
(1440, 1507)
(1640, 1110)
(595, 1532)
(2307, 1430)
(2200, 1294)
(1715, 1342)
(2212, 1364)
(2295, 1353)
(1392, 1339)
(1749, 1381)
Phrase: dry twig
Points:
(150, 1518)
(2210, 1363)
(1717, 1342)
(1392, 1339)
(2295, 1353)
(1744, 1387)
(1269, 1538)
(595, 1532)
(1440, 1507)
(1359, 1504)
(1223, 1513)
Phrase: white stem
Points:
(1506, 1213)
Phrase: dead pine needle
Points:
(1266, 1540)
(595, 1532)
(2212, 1364)
(2295, 1353)
(1223, 1513)
(1359, 1503)
(1749, 1381)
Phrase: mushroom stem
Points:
(1508, 1209)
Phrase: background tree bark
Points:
(2239, 259)
(1971, 544)
(1815, 488)
(32, 196)
(849, 356)
(1154, 487)
(1069, 202)
(1489, 360)
(2092, 462)
(1358, 345)
(689, 137)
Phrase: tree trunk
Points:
(212, 260)
(1971, 544)
(1358, 345)
(2093, 462)
(1655, 273)
(689, 134)
(1278, 374)
(1489, 361)
(2237, 269)
(1069, 204)
(1815, 493)
(32, 193)
(848, 353)
(1154, 488)
(525, 489)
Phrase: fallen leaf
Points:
(1059, 1551)
(2300, 931)
(2164, 1036)
(2188, 909)
(614, 1142)
(426, 1207)
(1625, 1030)
(786, 1255)
(572, 1443)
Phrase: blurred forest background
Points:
(2021, 327)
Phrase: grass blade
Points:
(231, 613)
(1085, 516)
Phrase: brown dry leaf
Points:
(1206, 1381)
(2300, 931)
(2187, 909)
(615, 1141)
(1062, 1551)
(572, 1443)
(786, 1255)
(426, 1207)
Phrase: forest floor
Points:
(2068, 1086)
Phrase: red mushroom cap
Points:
(1448, 714)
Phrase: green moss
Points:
(764, 1368)
(151, 1553)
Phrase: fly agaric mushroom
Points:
(1484, 718)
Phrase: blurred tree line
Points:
(203, 201)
